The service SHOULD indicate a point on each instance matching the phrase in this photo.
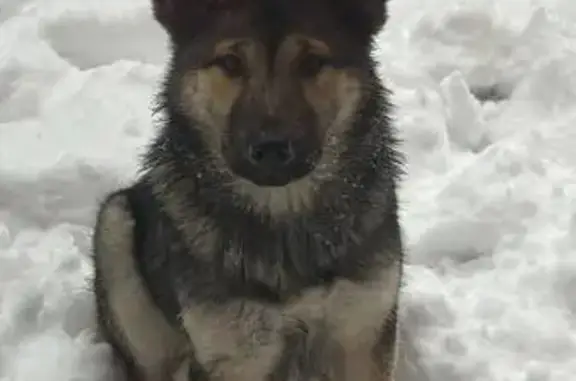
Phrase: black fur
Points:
(185, 19)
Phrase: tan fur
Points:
(155, 345)
(247, 336)
(208, 96)
(246, 344)
(354, 311)
(334, 95)
(291, 198)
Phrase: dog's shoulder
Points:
(131, 312)
(123, 220)
(132, 229)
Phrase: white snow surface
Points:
(488, 202)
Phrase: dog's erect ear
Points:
(189, 15)
(364, 16)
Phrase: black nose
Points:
(271, 158)
(271, 152)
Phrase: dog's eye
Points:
(311, 64)
(231, 64)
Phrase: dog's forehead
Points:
(271, 21)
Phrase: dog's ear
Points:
(178, 16)
(168, 12)
(364, 16)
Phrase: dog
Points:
(261, 240)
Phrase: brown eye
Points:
(311, 64)
(231, 64)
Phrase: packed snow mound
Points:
(484, 93)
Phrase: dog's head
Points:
(271, 84)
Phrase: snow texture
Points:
(485, 95)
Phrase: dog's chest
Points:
(313, 334)
(347, 309)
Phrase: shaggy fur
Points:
(261, 242)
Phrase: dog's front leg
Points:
(147, 345)
(239, 341)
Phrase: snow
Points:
(484, 93)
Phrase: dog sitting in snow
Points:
(261, 242)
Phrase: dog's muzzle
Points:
(271, 158)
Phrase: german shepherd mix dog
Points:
(261, 242)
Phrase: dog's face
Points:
(271, 84)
